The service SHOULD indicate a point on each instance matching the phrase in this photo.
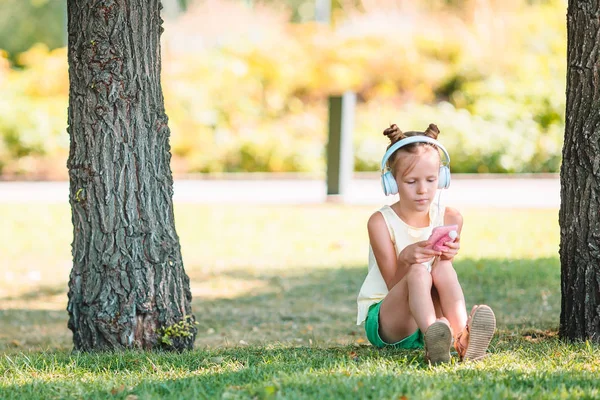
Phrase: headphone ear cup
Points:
(388, 183)
(384, 183)
(444, 177)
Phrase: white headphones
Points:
(388, 183)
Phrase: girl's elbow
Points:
(453, 217)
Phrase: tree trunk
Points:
(580, 177)
(128, 284)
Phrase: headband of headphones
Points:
(410, 140)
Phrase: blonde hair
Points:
(395, 134)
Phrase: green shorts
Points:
(414, 341)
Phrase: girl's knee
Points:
(418, 273)
(443, 270)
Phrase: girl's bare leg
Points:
(407, 306)
(450, 294)
(436, 303)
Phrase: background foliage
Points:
(251, 94)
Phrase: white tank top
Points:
(374, 288)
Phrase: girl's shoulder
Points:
(452, 216)
(377, 218)
(386, 209)
(381, 219)
(452, 212)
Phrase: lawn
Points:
(275, 293)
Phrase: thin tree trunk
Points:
(128, 282)
(580, 177)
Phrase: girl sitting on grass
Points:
(411, 297)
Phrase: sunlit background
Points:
(247, 85)
(246, 82)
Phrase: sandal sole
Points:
(438, 340)
(481, 331)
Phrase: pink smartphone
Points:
(441, 235)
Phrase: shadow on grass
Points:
(312, 306)
(36, 293)
(23, 329)
(320, 305)
(294, 336)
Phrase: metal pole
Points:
(323, 11)
(340, 157)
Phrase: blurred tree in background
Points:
(24, 23)
(246, 83)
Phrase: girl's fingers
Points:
(430, 252)
(451, 253)
(453, 245)
(426, 257)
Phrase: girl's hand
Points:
(417, 253)
(452, 251)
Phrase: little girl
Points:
(411, 297)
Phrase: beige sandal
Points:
(438, 340)
(479, 331)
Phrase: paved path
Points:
(463, 192)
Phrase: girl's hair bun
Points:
(432, 131)
(394, 133)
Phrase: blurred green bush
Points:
(253, 97)
(26, 22)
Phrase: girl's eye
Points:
(410, 182)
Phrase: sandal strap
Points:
(460, 348)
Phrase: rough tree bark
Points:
(580, 177)
(128, 284)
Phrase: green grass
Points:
(517, 369)
(275, 292)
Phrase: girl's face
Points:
(417, 178)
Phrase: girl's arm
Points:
(384, 251)
(452, 217)
(394, 268)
